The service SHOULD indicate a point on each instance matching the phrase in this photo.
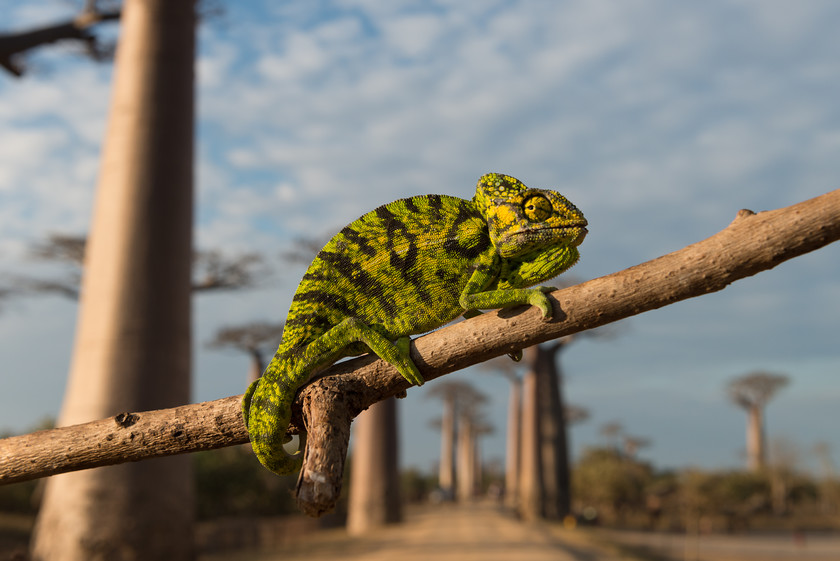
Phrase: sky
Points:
(658, 119)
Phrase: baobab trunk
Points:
(446, 470)
(755, 439)
(132, 347)
(512, 459)
(374, 485)
(465, 474)
(554, 443)
(531, 490)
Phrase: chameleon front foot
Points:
(539, 299)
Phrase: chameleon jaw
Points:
(567, 234)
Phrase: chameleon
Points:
(406, 268)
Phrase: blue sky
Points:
(659, 119)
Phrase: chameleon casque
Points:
(408, 267)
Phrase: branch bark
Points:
(750, 244)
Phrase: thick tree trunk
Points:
(132, 349)
(554, 446)
(514, 429)
(531, 490)
(755, 439)
(374, 480)
(465, 475)
(446, 470)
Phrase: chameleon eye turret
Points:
(406, 268)
(537, 208)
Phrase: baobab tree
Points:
(752, 392)
(253, 338)
(455, 396)
(514, 432)
(132, 344)
(374, 499)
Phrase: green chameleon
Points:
(405, 268)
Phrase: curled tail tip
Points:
(274, 457)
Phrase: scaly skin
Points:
(405, 268)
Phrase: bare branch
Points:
(303, 250)
(575, 413)
(752, 243)
(67, 248)
(13, 45)
(248, 337)
(213, 270)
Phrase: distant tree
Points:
(253, 338)
(212, 270)
(611, 483)
(548, 487)
(470, 427)
(374, 499)
(633, 443)
(481, 427)
(451, 393)
(303, 250)
(612, 432)
(752, 392)
(575, 413)
(513, 454)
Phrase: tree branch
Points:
(752, 243)
(13, 44)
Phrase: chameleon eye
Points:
(537, 208)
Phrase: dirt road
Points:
(442, 533)
(484, 532)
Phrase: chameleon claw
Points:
(515, 356)
(541, 301)
(408, 369)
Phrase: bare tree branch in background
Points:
(212, 269)
(13, 46)
(253, 338)
(575, 413)
(303, 250)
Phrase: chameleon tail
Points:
(267, 411)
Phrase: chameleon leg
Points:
(322, 351)
(475, 297)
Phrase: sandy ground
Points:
(443, 533)
(784, 546)
(484, 532)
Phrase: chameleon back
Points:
(398, 268)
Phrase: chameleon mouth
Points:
(576, 232)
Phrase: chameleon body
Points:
(408, 267)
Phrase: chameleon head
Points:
(522, 219)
